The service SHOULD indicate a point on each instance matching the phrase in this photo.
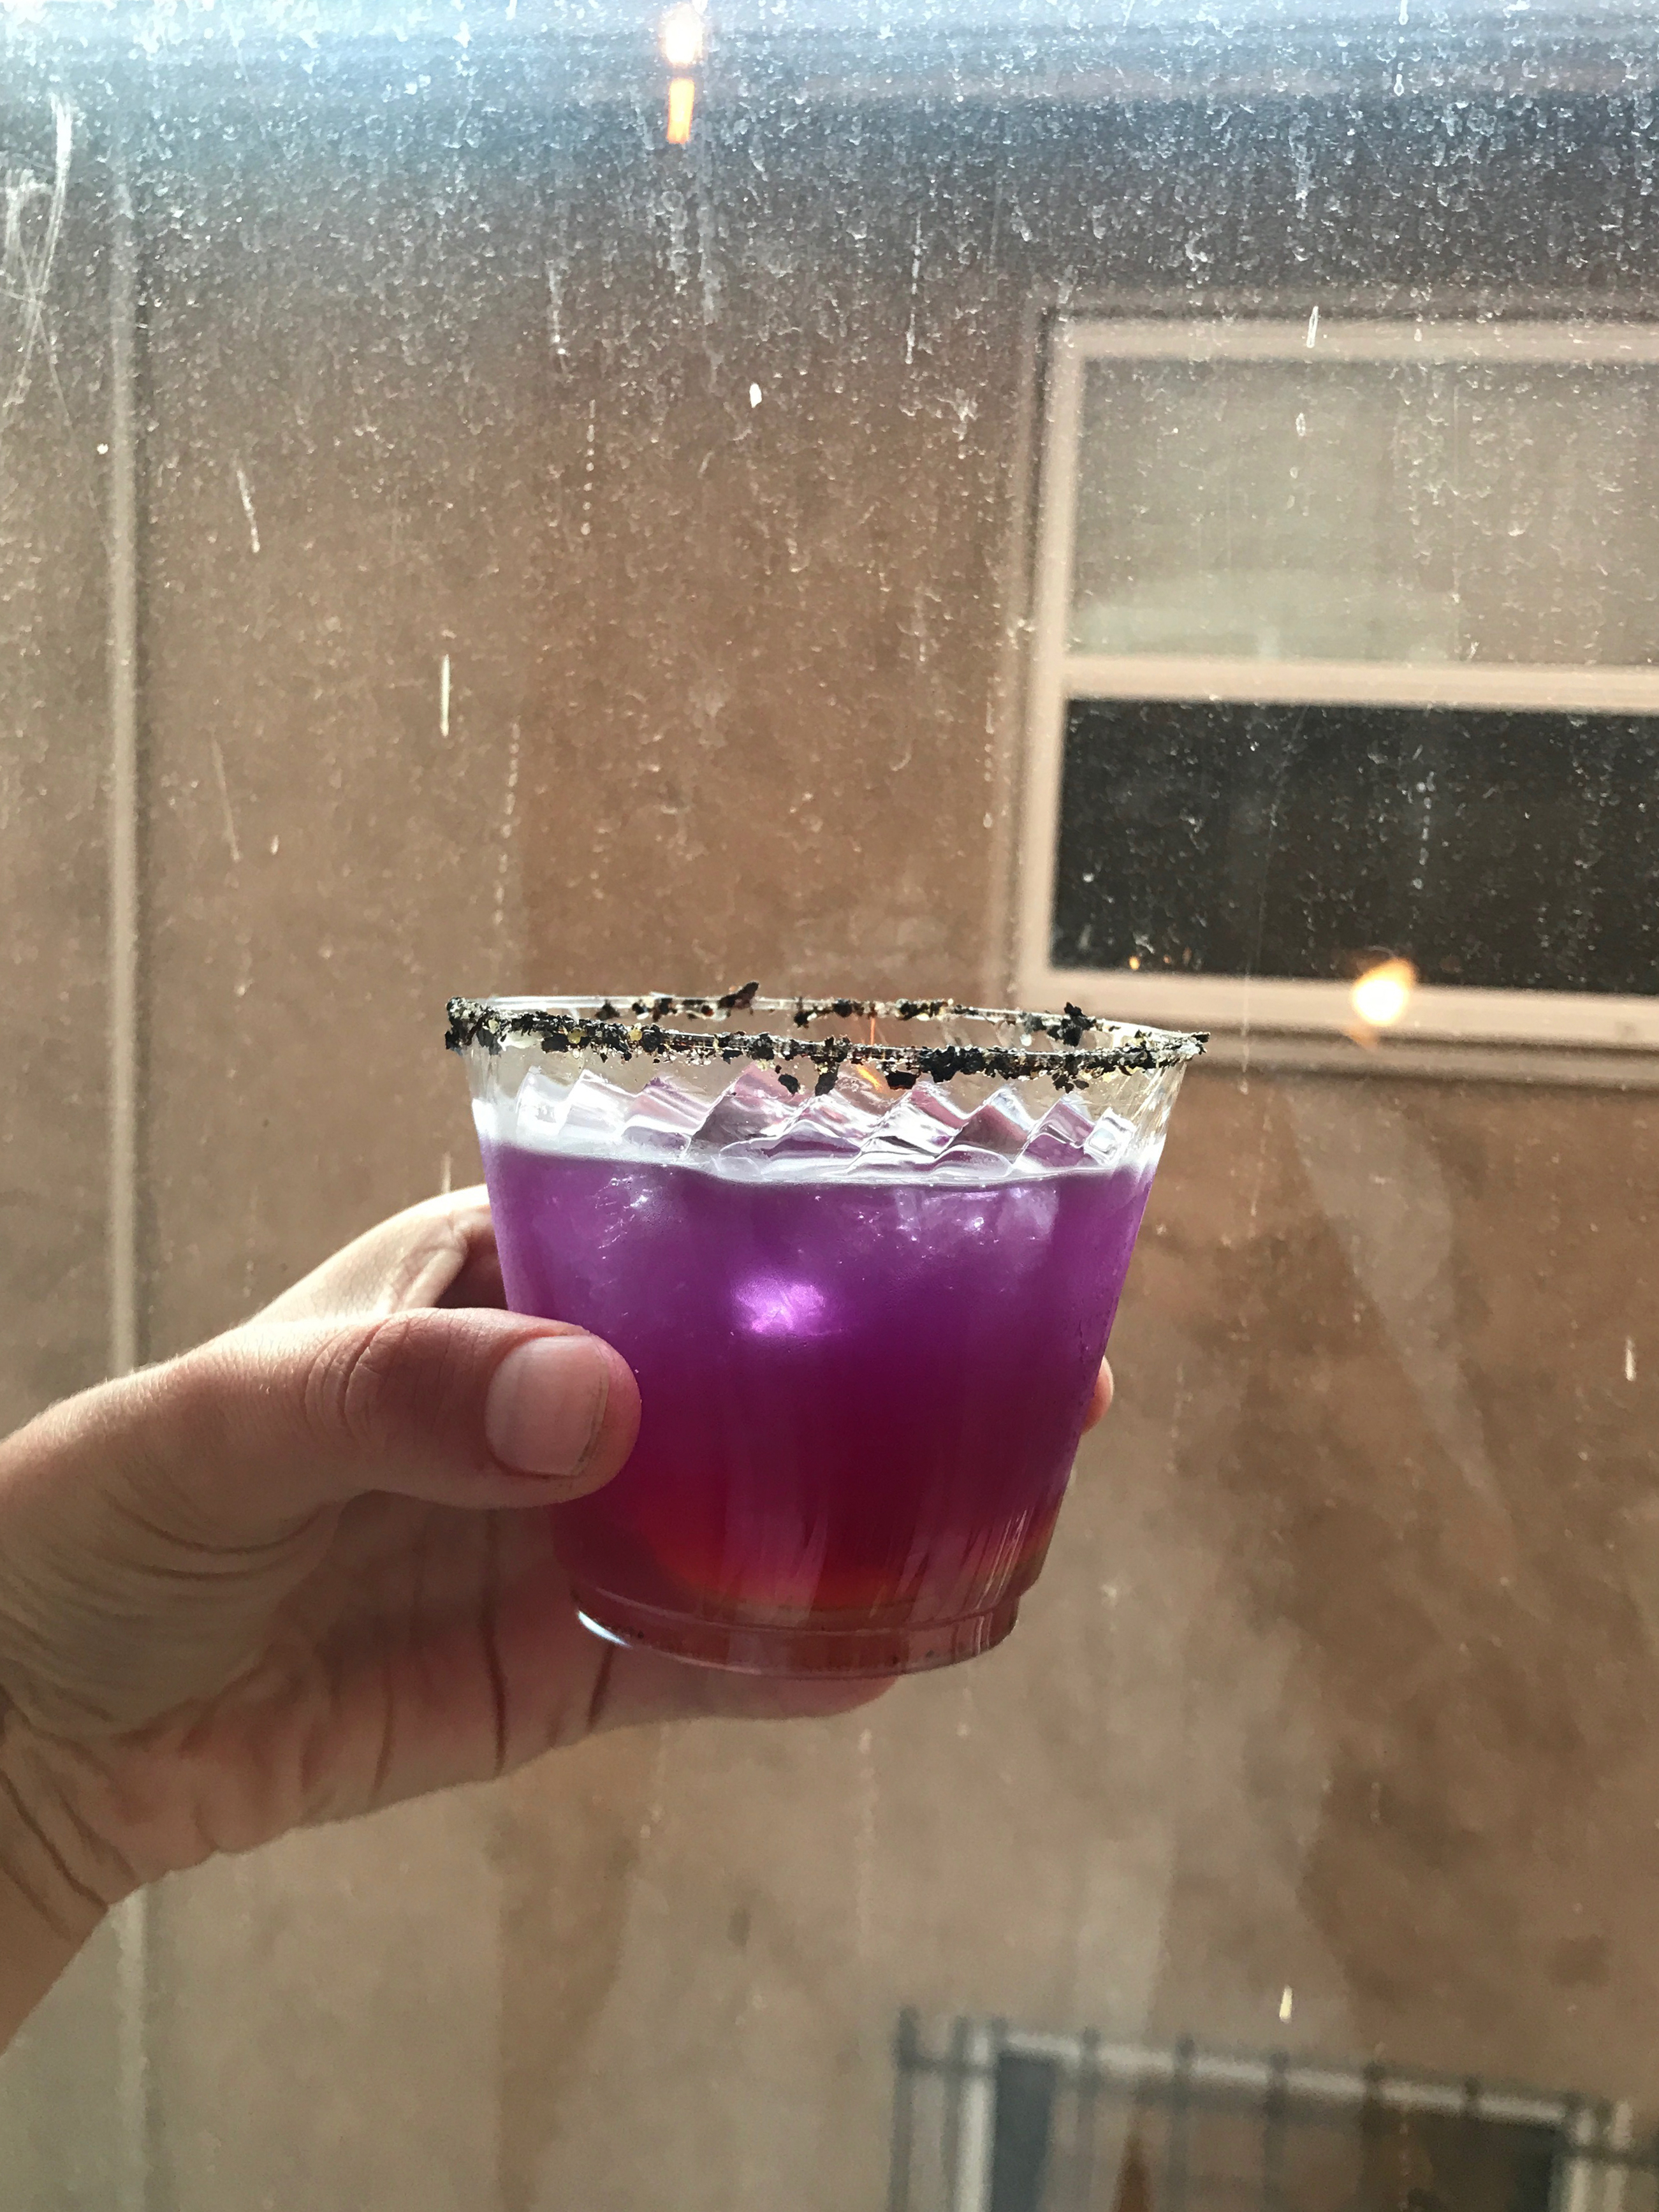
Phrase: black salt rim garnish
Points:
(628, 1026)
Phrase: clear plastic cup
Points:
(862, 1257)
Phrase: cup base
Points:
(799, 1650)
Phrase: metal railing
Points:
(989, 2118)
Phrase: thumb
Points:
(254, 1434)
(470, 1407)
(139, 1520)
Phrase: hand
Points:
(290, 1577)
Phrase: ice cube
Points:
(1060, 1136)
(755, 1107)
(912, 1135)
(1110, 1141)
(837, 1125)
(662, 1118)
(538, 1112)
(1001, 1126)
(593, 1120)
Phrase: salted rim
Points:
(627, 1025)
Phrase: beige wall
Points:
(1339, 1676)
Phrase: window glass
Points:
(1496, 852)
(1411, 509)
(1356, 618)
(474, 518)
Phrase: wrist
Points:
(49, 1906)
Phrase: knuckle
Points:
(405, 1261)
(389, 1383)
(430, 1257)
(347, 1392)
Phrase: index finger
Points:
(439, 1253)
(1101, 1399)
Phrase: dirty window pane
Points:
(476, 517)
(1350, 604)
(1417, 511)
(1497, 852)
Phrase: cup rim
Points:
(626, 1024)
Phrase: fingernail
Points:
(545, 1404)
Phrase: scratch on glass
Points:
(243, 487)
(509, 807)
(224, 796)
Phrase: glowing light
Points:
(1383, 994)
(682, 36)
(770, 1306)
(681, 99)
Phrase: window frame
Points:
(1302, 1013)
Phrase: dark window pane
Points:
(1513, 852)
(1024, 2111)
(1447, 2162)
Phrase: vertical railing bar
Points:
(1175, 2157)
(1617, 2156)
(1572, 2184)
(1089, 2087)
(1274, 2110)
(955, 2079)
(906, 2055)
(977, 2118)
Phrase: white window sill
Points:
(1549, 1036)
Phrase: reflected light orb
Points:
(681, 100)
(681, 37)
(770, 1306)
(1383, 994)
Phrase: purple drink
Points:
(866, 1326)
